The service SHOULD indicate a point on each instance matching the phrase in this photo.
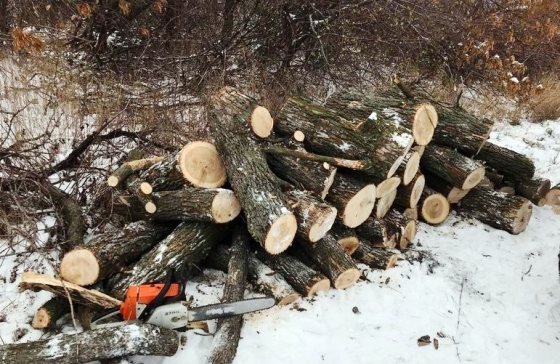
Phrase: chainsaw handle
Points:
(158, 300)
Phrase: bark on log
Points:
(315, 217)
(304, 174)
(346, 237)
(378, 232)
(452, 193)
(164, 175)
(228, 330)
(495, 178)
(48, 314)
(254, 184)
(497, 209)
(329, 134)
(79, 295)
(188, 244)
(353, 197)
(456, 128)
(405, 226)
(358, 165)
(263, 279)
(71, 213)
(129, 168)
(452, 166)
(305, 280)
(419, 119)
(434, 207)
(376, 258)
(534, 189)
(333, 261)
(110, 251)
(511, 164)
(142, 190)
(201, 165)
(92, 345)
(409, 195)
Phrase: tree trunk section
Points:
(507, 162)
(553, 197)
(500, 210)
(48, 314)
(78, 295)
(452, 193)
(405, 226)
(346, 237)
(262, 278)
(434, 207)
(304, 174)
(109, 252)
(409, 195)
(188, 244)
(142, 190)
(254, 184)
(228, 330)
(164, 175)
(201, 165)
(418, 119)
(409, 167)
(305, 280)
(534, 189)
(375, 258)
(129, 168)
(384, 204)
(378, 232)
(353, 197)
(315, 217)
(333, 261)
(452, 166)
(92, 345)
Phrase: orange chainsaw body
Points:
(144, 294)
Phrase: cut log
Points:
(353, 197)
(188, 244)
(228, 330)
(261, 122)
(409, 167)
(553, 196)
(299, 136)
(434, 207)
(507, 162)
(201, 165)
(333, 261)
(79, 295)
(497, 209)
(485, 183)
(129, 168)
(110, 251)
(419, 149)
(305, 280)
(419, 119)
(142, 190)
(405, 226)
(411, 212)
(48, 314)
(329, 134)
(387, 186)
(452, 193)
(456, 128)
(384, 204)
(495, 178)
(263, 279)
(92, 345)
(378, 232)
(376, 258)
(534, 189)
(358, 165)
(315, 217)
(452, 166)
(409, 195)
(304, 174)
(164, 175)
(254, 184)
(346, 237)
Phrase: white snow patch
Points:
(373, 116)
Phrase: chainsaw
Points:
(164, 305)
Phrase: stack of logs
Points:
(311, 193)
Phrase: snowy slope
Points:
(492, 296)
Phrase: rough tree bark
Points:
(452, 166)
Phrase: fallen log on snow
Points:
(50, 312)
(534, 189)
(92, 345)
(269, 219)
(376, 258)
(434, 207)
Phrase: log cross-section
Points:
(269, 219)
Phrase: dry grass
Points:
(544, 100)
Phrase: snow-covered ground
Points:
(487, 296)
